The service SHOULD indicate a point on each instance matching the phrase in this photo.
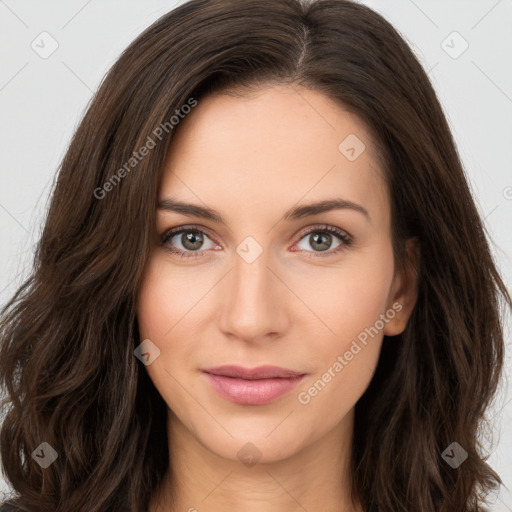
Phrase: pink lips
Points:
(252, 386)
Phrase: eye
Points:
(190, 238)
(321, 238)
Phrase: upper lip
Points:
(260, 372)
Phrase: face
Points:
(312, 292)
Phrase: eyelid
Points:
(322, 227)
(169, 233)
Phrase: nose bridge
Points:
(252, 302)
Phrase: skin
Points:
(251, 157)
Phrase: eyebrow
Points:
(298, 212)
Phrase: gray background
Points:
(43, 99)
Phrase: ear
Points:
(404, 290)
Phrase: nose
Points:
(254, 301)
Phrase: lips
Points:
(261, 372)
(252, 386)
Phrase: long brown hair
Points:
(68, 334)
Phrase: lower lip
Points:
(252, 392)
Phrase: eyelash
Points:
(345, 238)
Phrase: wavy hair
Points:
(69, 332)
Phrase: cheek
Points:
(352, 302)
(347, 359)
(162, 305)
(166, 298)
(347, 299)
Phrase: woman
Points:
(262, 282)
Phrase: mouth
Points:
(252, 386)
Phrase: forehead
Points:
(276, 145)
